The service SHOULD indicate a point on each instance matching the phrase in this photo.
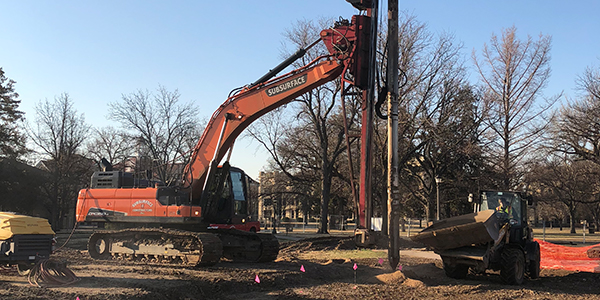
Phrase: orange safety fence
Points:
(555, 256)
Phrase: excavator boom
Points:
(239, 111)
(347, 44)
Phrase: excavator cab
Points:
(226, 197)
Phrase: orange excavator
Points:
(205, 217)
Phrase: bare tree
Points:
(589, 82)
(439, 114)
(577, 130)
(162, 128)
(309, 150)
(59, 134)
(553, 211)
(573, 183)
(111, 144)
(451, 152)
(514, 73)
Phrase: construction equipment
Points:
(489, 238)
(24, 240)
(205, 218)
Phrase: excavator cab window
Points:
(232, 200)
(225, 195)
(240, 206)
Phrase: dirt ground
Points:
(329, 274)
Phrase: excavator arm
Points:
(346, 44)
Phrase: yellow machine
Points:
(24, 240)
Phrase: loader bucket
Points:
(461, 231)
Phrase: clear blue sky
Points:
(98, 50)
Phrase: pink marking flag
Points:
(400, 267)
(77, 298)
(380, 261)
(302, 268)
(256, 279)
(355, 267)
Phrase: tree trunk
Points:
(560, 223)
(427, 213)
(325, 193)
(55, 218)
(506, 158)
(55, 207)
(572, 217)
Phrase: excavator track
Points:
(157, 245)
(247, 246)
(270, 248)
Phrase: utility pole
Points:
(392, 123)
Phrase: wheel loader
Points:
(490, 238)
(24, 240)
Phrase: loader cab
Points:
(496, 200)
(517, 217)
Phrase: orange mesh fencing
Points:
(555, 256)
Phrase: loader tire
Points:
(513, 266)
(456, 271)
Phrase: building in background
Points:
(277, 199)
